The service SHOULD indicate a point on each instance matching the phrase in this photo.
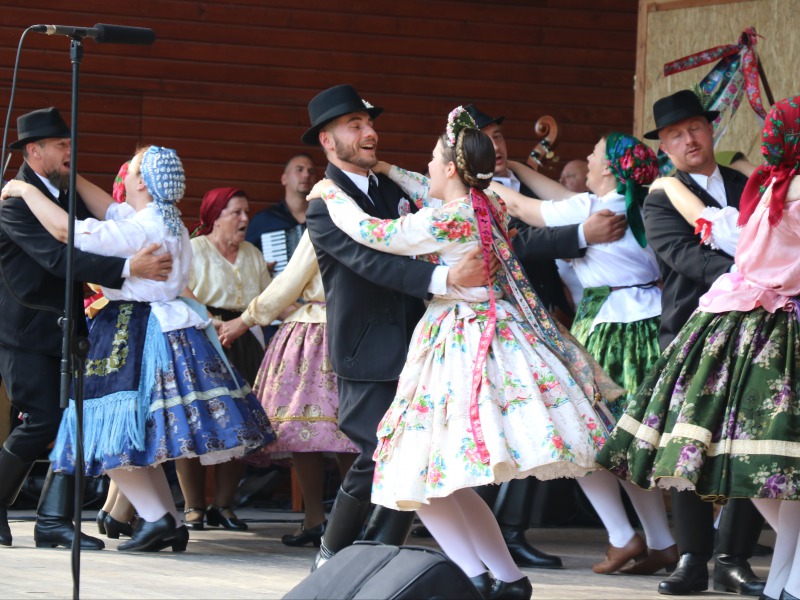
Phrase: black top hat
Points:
(39, 125)
(331, 104)
(481, 118)
(677, 107)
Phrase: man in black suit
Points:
(688, 269)
(32, 290)
(374, 301)
(537, 248)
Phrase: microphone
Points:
(102, 33)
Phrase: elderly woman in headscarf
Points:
(157, 386)
(719, 413)
(227, 273)
(617, 320)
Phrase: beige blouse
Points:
(219, 283)
(300, 279)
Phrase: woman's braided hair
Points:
(469, 149)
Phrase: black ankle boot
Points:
(389, 526)
(153, 536)
(521, 589)
(344, 524)
(54, 515)
(115, 528)
(733, 574)
(690, 576)
(512, 509)
(13, 471)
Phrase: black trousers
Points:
(362, 405)
(693, 520)
(33, 384)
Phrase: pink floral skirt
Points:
(296, 386)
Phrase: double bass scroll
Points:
(546, 128)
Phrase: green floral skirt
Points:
(719, 413)
(626, 351)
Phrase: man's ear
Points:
(326, 140)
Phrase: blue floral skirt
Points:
(152, 396)
(720, 411)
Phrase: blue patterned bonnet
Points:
(163, 175)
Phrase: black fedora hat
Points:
(39, 125)
(331, 104)
(677, 107)
(481, 118)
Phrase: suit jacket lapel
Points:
(27, 174)
(707, 198)
(335, 174)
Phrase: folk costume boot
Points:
(344, 524)
(13, 471)
(512, 510)
(739, 529)
(54, 515)
(689, 577)
(388, 526)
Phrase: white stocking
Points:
(784, 571)
(465, 528)
(144, 487)
(649, 506)
(602, 490)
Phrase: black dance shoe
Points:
(153, 536)
(521, 589)
(101, 522)
(196, 524)
(787, 596)
(116, 528)
(689, 577)
(181, 539)
(484, 584)
(733, 574)
(307, 535)
(215, 517)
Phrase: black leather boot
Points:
(689, 577)
(54, 515)
(739, 530)
(344, 524)
(733, 574)
(13, 471)
(388, 526)
(512, 511)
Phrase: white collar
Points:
(50, 187)
(511, 181)
(361, 181)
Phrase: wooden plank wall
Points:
(227, 83)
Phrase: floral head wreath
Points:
(457, 121)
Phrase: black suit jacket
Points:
(373, 298)
(688, 268)
(536, 248)
(34, 264)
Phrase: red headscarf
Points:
(780, 146)
(118, 191)
(214, 202)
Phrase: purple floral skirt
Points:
(720, 411)
(296, 386)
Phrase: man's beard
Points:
(59, 180)
(352, 157)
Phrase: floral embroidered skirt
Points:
(719, 413)
(152, 396)
(625, 351)
(535, 420)
(297, 388)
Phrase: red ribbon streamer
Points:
(746, 45)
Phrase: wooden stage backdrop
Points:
(227, 82)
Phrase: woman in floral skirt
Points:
(492, 389)
(719, 414)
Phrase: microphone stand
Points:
(74, 349)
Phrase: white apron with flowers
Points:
(533, 419)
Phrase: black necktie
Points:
(373, 191)
(63, 199)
